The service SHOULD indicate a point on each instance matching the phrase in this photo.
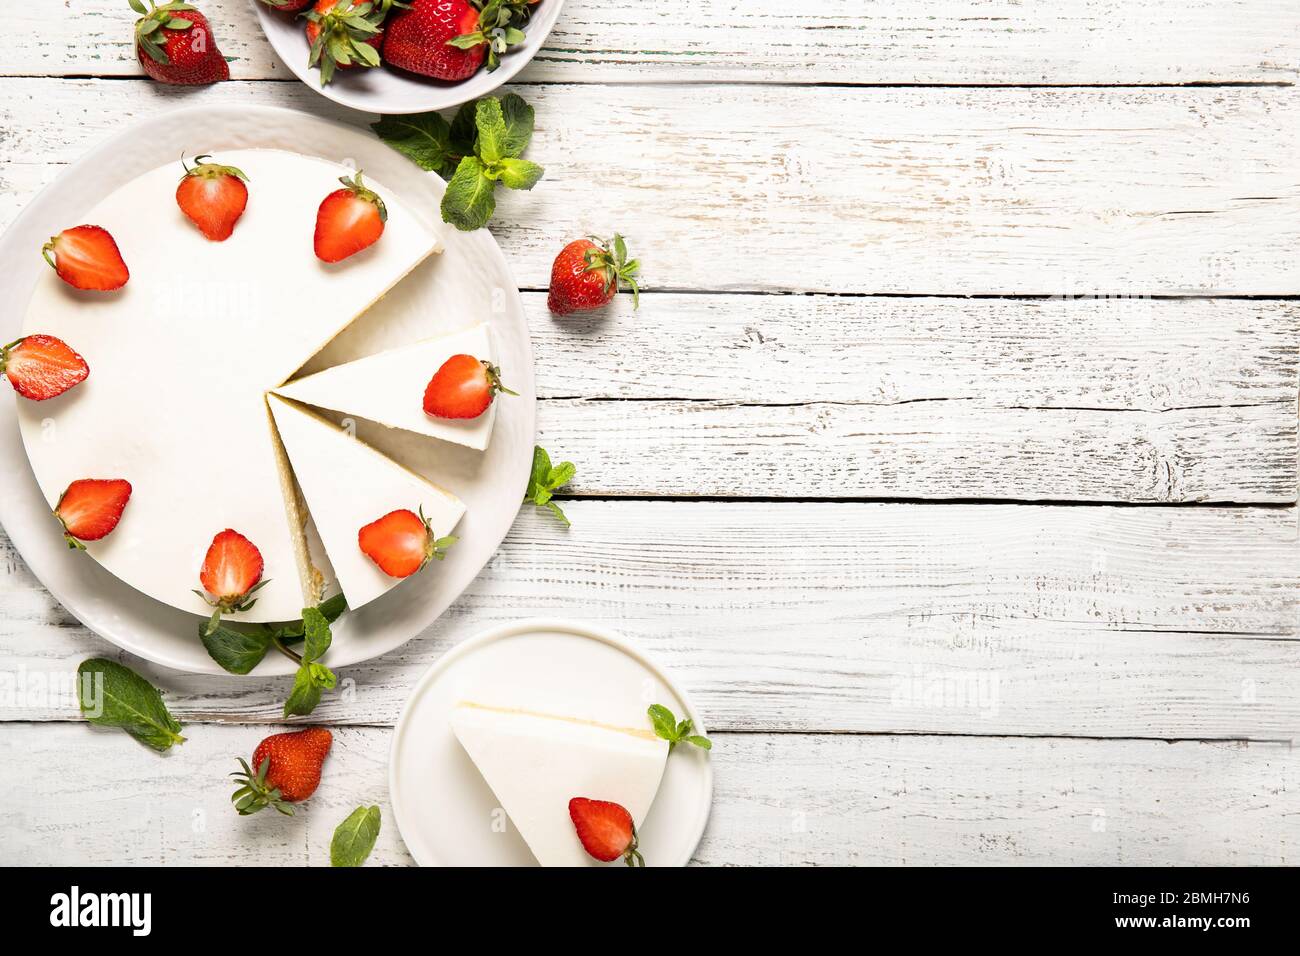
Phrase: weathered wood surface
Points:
(778, 799)
(776, 41)
(1096, 621)
(807, 189)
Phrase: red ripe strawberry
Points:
(90, 508)
(231, 572)
(349, 220)
(41, 367)
(420, 39)
(401, 543)
(342, 34)
(586, 275)
(213, 197)
(463, 388)
(174, 44)
(286, 769)
(606, 830)
(288, 6)
(86, 257)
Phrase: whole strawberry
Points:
(288, 6)
(342, 34)
(419, 39)
(586, 275)
(174, 44)
(286, 769)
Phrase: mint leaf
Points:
(670, 729)
(464, 129)
(519, 118)
(545, 479)
(492, 132)
(355, 837)
(518, 173)
(236, 650)
(111, 695)
(334, 607)
(469, 201)
(316, 631)
(426, 139)
(305, 694)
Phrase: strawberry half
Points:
(606, 830)
(401, 543)
(586, 275)
(463, 388)
(213, 197)
(90, 508)
(349, 220)
(286, 769)
(86, 257)
(231, 573)
(41, 367)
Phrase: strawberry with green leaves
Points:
(402, 542)
(606, 830)
(286, 769)
(342, 34)
(463, 387)
(349, 220)
(231, 574)
(586, 275)
(87, 258)
(288, 6)
(41, 367)
(90, 508)
(545, 479)
(212, 196)
(174, 44)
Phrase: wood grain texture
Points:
(778, 799)
(1096, 621)
(757, 188)
(836, 41)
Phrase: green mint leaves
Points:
(239, 648)
(355, 837)
(670, 729)
(482, 146)
(545, 480)
(111, 695)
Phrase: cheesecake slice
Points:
(388, 387)
(536, 763)
(347, 485)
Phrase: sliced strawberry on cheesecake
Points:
(606, 830)
(87, 257)
(40, 367)
(463, 387)
(402, 542)
(231, 574)
(90, 508)
(349, 220)
(213, 197)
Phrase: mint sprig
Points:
(674, 731)
(545, 479)
(481, 147)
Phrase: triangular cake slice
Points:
(388, 387)
(536, 763)
(347, 485)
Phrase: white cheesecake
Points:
(347, 485)
(535, 763)
(181, 360)
(388, 387)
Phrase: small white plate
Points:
(469, 279)
(442, 805)
(386, 90)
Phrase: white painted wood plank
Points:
(776, 41)
(779, 799)
(730, 188)
(989, 619)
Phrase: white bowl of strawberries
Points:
(406, 56)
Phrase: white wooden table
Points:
(950, 461)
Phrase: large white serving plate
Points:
(386, 90)
(444, 809)
(469, 282)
